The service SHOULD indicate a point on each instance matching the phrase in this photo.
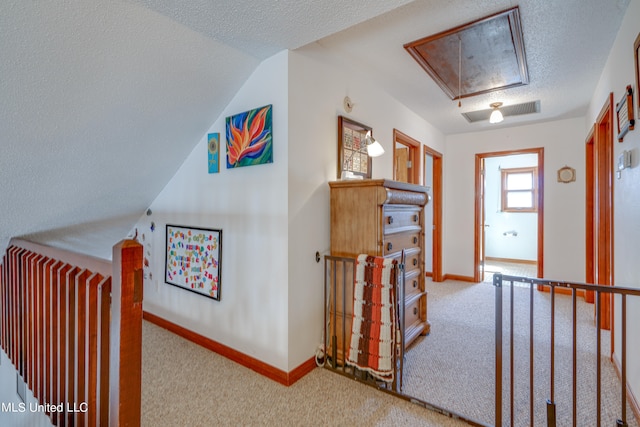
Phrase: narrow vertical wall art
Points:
(249, 138)
(213, 144)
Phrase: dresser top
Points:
(387, 183)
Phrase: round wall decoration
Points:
(566, 174)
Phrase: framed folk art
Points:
(352, 153)
(194, 259)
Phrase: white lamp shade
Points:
(375, 149)
(496, 116)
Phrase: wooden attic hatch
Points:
(479, 57)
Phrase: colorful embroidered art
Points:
(249, 138)
(193, 259)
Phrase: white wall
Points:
(274, 217)
(563, 143)
(523, 244)
(316, 91)
(619, 72)
(250, 205)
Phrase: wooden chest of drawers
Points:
(382, 218)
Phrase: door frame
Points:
(414, 155)
(479, 214)
(599, 226)
(590, 194)
(436, 263)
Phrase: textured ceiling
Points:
(566, 42)
(102, 100)
(263, 28)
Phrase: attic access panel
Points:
(489, 52)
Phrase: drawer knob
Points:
(415, 283)
(415, 240)
(415, 218)
(415, 311)
(390, 220)
(389, 246)
(415, 261)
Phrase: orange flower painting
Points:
(249, 138)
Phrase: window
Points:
(520, 190)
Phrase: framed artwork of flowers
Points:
(194, 259)
(249, 138)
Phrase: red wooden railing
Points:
(72, 326)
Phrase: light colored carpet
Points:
(186, 385)
(453, 367)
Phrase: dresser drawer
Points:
(412, 283)
(412, 311)
(411, 258)
(398, 219)
(397, 242)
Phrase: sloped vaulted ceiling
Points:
(102, 100)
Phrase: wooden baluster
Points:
(54, 333)
(11, 293)
(39, 328)
(16, 279)
(4, 286)
(45, 335)
(104, 327)
(92, 348)
(71, 333)
(23, 316)
(80, 347)
(62, 340)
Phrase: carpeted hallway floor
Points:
(184, 384)
(453, 368)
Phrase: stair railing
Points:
(71, 325)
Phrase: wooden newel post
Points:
(126, 335)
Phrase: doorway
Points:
(433, 213)
(406, 158)
(509, 210)
(599, 209)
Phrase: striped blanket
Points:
(373, 333)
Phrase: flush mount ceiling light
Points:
(496, 115)
(511, 110)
